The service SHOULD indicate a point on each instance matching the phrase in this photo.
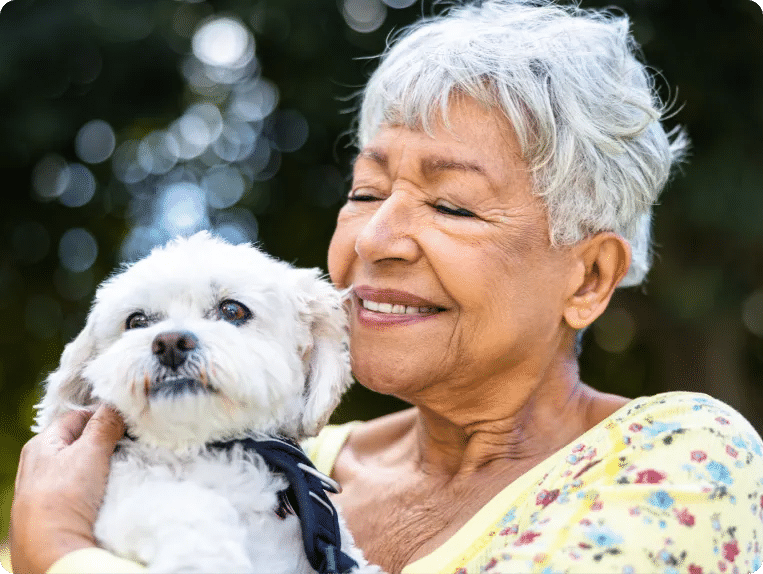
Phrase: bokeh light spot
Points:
(140, 241)
(77, 250)
(268, 170)
(195, 131)
(50, 177)
(187, 148)
(125, 163)
(290, 130)
(223, 42)
(752, 313)
(182, 209)
(254, 101)
(258, 158)
(364, 15)
(81, 188)
(399, 3)
(224, 186)
(158, 152)
(236, 226)
(235, 142)
(95, 142)
(212, 119)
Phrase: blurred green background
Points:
(126, 121)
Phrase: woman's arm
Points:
(60, 486)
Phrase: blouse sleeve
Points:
(84, 561)
(684, 494)
(93, 561)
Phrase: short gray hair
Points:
(584, 108)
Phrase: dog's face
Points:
(204, 340)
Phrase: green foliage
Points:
(696, 326)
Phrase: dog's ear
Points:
(326, 355)
(65, 388)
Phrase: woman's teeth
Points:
(395, 309)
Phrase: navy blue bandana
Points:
(306, 497)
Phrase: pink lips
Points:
(391, 297)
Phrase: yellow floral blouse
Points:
(670, 484)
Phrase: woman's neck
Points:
(514, 425)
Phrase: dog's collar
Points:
(307, 497)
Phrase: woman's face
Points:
(447, 251)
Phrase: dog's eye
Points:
(234, 312)
(137, 320)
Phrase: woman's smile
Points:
(376, 307)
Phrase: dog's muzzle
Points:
(172, 349)
(176, 386)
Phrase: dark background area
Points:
(696, 325)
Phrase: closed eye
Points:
(363, 194)
(362, 197)
(450, 209)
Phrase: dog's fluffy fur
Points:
(170, 502)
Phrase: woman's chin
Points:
(388, 374)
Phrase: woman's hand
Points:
(60, 486)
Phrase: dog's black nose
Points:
(172, 348)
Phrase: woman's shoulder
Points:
(677, 410)
(356, 440)
(677, 438)
(680, 435)
(324, 448)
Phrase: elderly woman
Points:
(509, 156)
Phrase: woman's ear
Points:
(602, 261)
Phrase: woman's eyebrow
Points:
(430, 166)
(374, 155)
(434, 165)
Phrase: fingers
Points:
(62, 433)
(104, 428)
(70, 425)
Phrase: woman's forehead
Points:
(475, 142)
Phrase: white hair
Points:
(584, 108)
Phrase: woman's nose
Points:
(390, 233)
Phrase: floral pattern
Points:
(669, 484)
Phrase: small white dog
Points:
(199, 343)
